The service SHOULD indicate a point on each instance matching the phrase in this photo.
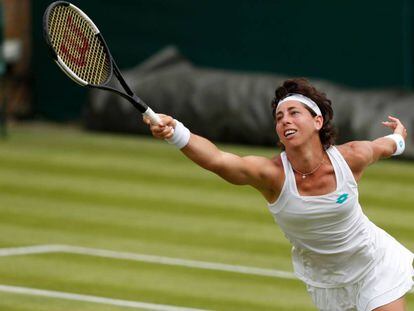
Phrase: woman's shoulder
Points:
(354, 151)
(280, 171)
(277, 163)
(271, 175)
(274, 162)
(356, 155)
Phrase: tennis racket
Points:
(79, 49)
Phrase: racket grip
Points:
(155, 119)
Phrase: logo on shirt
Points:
(342, 198)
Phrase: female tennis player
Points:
(346, 261)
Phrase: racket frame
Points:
(137, 102)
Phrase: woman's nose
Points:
(286, 120)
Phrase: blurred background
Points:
(236, 52)
(70, 176)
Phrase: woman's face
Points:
(295, 125)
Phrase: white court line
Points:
(26, 250)
(148, 258)
(94, 299)
(178, 262)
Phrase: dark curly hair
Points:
(302, 86)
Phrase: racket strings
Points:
(76, 43)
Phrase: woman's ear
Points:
(318, 122)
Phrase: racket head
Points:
(77, 45)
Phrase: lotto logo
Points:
(342, 198)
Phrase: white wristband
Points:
(180, 137)
(399, 141)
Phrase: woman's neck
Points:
(305, 158)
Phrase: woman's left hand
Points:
(396, 125)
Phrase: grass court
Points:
(129, 219)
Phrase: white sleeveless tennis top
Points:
(334, 243)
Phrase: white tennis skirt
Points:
(388, 281)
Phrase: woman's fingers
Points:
(396, 125)
(393, 123)
(390, 125)
(146, 120)
(164, 130)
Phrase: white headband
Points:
(304, 100)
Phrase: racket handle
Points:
(155, 119)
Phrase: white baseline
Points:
(93, 299)
(39, 249)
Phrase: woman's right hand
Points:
(164, 130)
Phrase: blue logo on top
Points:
(342, 198)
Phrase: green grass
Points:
(60, 185)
